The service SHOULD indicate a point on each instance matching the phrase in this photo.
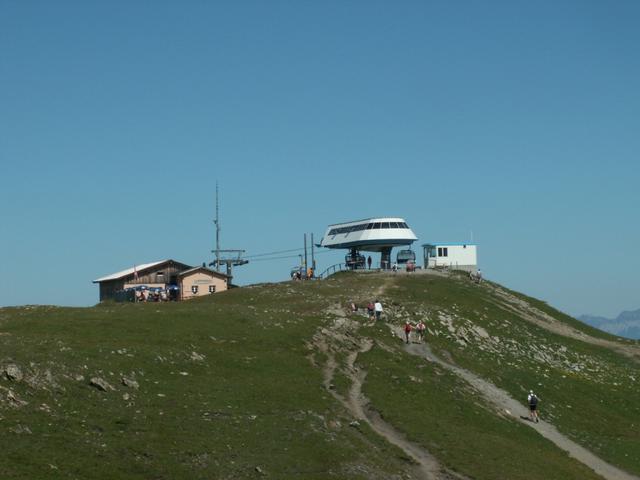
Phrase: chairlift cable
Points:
(274, 258)
(281, 257)
(274, 253)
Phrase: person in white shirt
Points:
(533, 406)
(378, 309)
(420, 328)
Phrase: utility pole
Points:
(313, 258)
(305, 252)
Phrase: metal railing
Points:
(338, 267)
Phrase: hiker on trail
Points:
(533, 406)
(479, 276)
(420, 328)
(394, 267)
(378, 309)
(369, 262)
(354, 307)
(407, 331)
(370, 308)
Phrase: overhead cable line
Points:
(274, 253)
(286, 256)
(275, 258)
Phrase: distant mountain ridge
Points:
(627, 324)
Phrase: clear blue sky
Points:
(517, 120)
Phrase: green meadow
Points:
(231, 386)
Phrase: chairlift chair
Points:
(405, 256)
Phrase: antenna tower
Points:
(217, 222)
(232, 260)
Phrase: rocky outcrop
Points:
(11, 399)
(13, 372)
(197, 357)
(131, 383)
(101, 384)
(42, 379)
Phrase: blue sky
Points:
(515, 120)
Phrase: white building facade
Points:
(456, 256)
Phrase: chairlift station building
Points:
(379, 234)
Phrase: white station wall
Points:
(458, 255)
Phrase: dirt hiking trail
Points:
(340, 337)
(505, 404)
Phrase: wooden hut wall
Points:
(108, 289)
(168, 270)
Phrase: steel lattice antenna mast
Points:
(229, 262)
(217, 222)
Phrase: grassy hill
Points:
(278, 381)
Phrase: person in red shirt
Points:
(370, 310)
(407, 331)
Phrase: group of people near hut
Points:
(148, 295)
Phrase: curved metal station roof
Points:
(369, 234)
